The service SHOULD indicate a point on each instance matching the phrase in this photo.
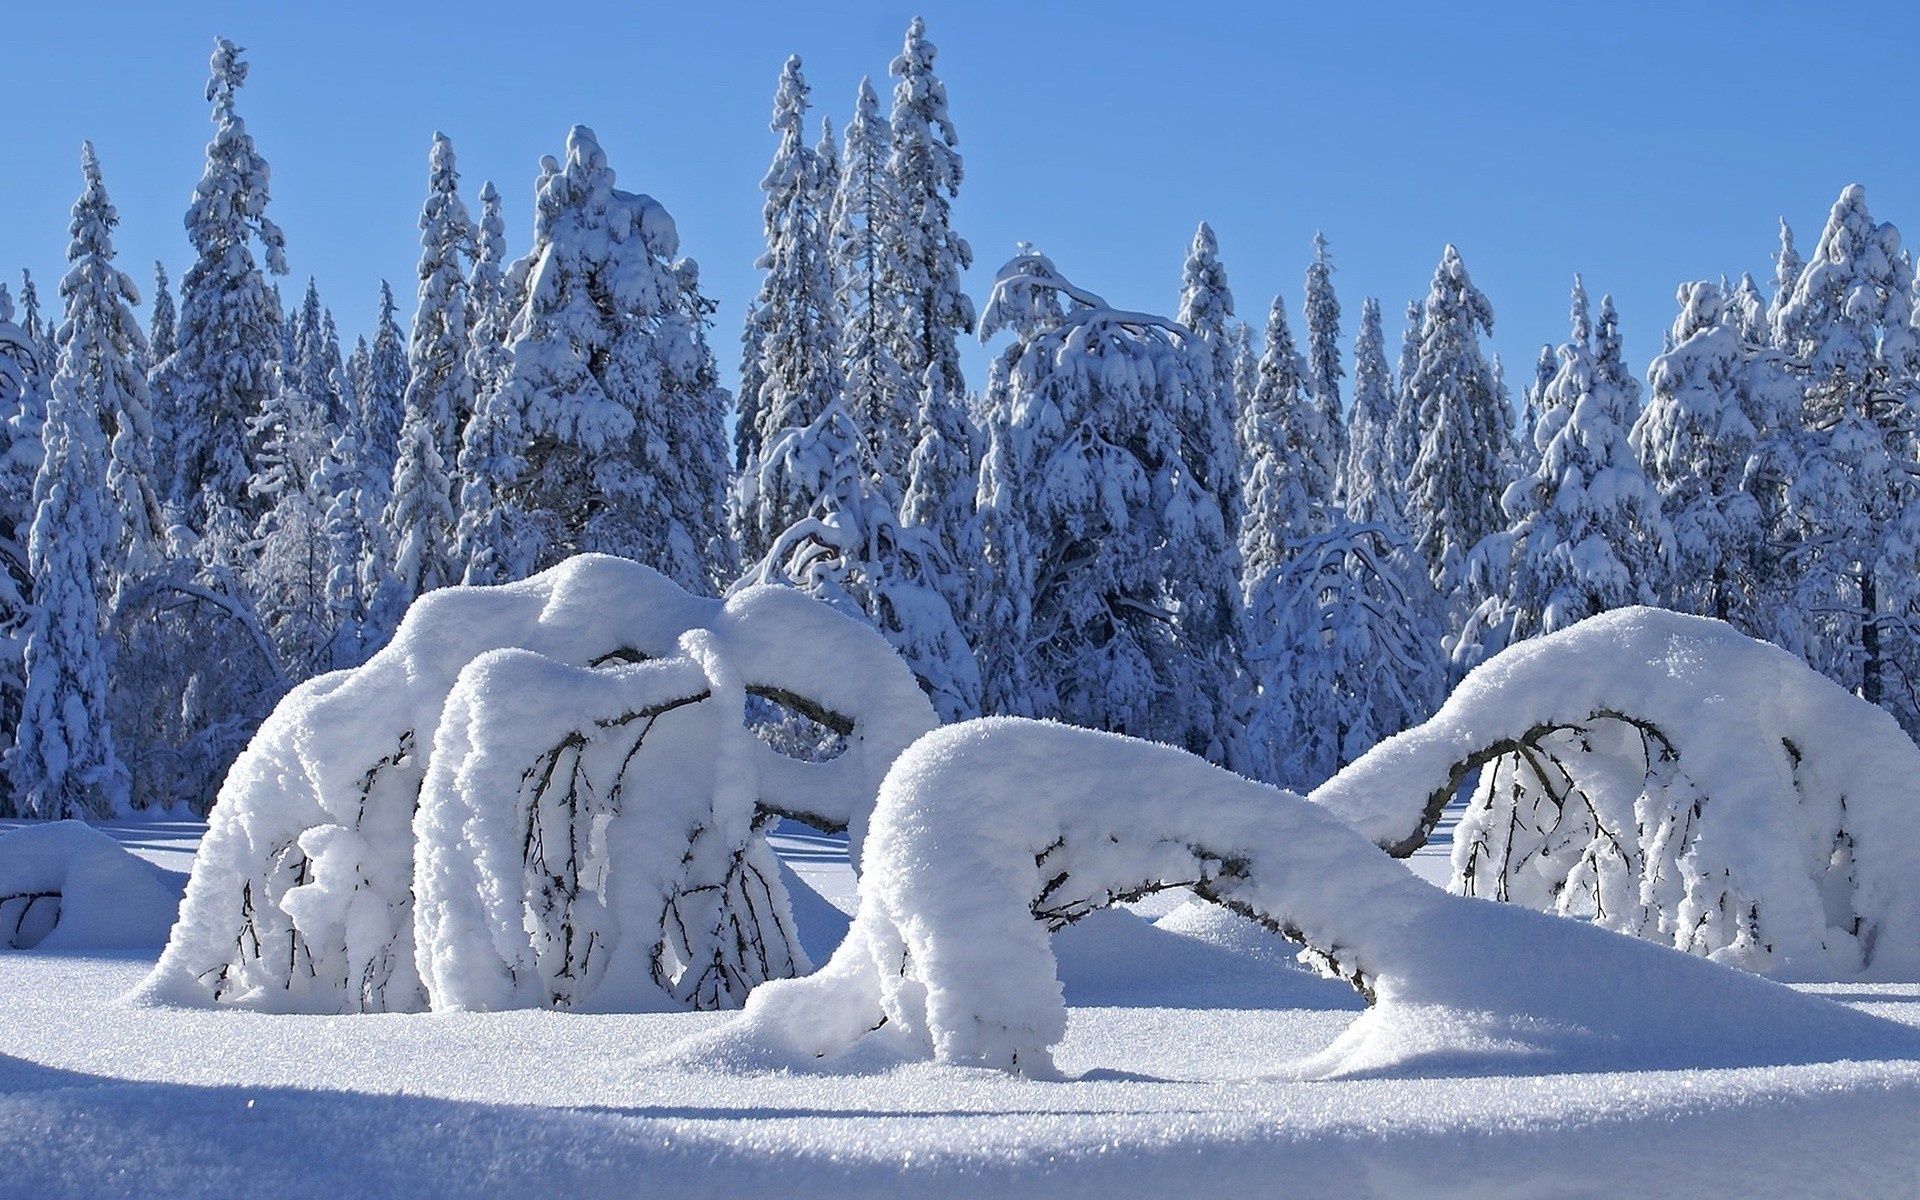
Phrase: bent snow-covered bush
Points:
(990, 834)
(1664, 776)
(539, 794)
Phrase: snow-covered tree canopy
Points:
(539, 794)
(1665, 776)
(990, 834)
(1126, 573)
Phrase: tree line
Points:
(1173, 527)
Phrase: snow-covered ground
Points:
(1176, 1057)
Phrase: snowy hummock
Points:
(990, 833)
(66, 886)
(574, 747)
(1770, 819)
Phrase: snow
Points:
(1169, 1075)
(1773, 816)
(989, 832)
(437, 826)
(66, 886)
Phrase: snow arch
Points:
(539, 794)
(1665, 776)
(991, 833)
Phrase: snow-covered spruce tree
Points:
(1586, 532)
(1346, 651)
(101, 324)
(1852, 514)
(490, 438)
(1374, 489)
(161, 327)
(1406, 412)
(63, 763)
(439, 389)
(1128, 574)
(1206, 308)
(1786, 278)
(1697, 440)
(352, 577)
(1749, 309)
(1533, 404)
(230, 319)
(287, 573)
(940, 488)
(19, 375)
(623, 433)
(795, 319)
(383, 392)
(926, 254)
(1286, 486)
(861, 238)
(853, 552)
(1609, 359)
(439, 399)
(1324, 372)
(420, 518)
(316, 356)
(1454, 484)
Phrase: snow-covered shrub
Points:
(538, 794)
(64, 885)
(1665, 776)
(990, 834)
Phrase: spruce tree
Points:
(799, 348)
(161, 335)
(1851, 508)
(1286, 485)
(1697, 441)
(1454, 484)
(1125, 606)
(926, 257)
(63, 762)
(439, 399)
(1373, 486)
(1587, 527)
(861, 230)
(230, 320)
(623, 438)
(489, 441)
(1324, 372)
(1206, 308)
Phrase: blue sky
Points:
(1640, 143)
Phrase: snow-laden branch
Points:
(543, 793)
(1665, 776)
(990, 834)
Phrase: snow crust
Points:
(1706, 790)
(559, 771)
(66, 886)
(1174, 1065)
(990, 833)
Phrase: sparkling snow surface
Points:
(1173, 1025)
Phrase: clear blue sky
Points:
(1640, 143)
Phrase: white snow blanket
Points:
(1665, 776)
(66, 886)
(543, 793)
(991, 833)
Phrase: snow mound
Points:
(540, 794)
(990, 834)
(67, 886)
(1665, 776)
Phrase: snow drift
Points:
(990, 834)
(64, 885)
(539, 794)
(1665, 776)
